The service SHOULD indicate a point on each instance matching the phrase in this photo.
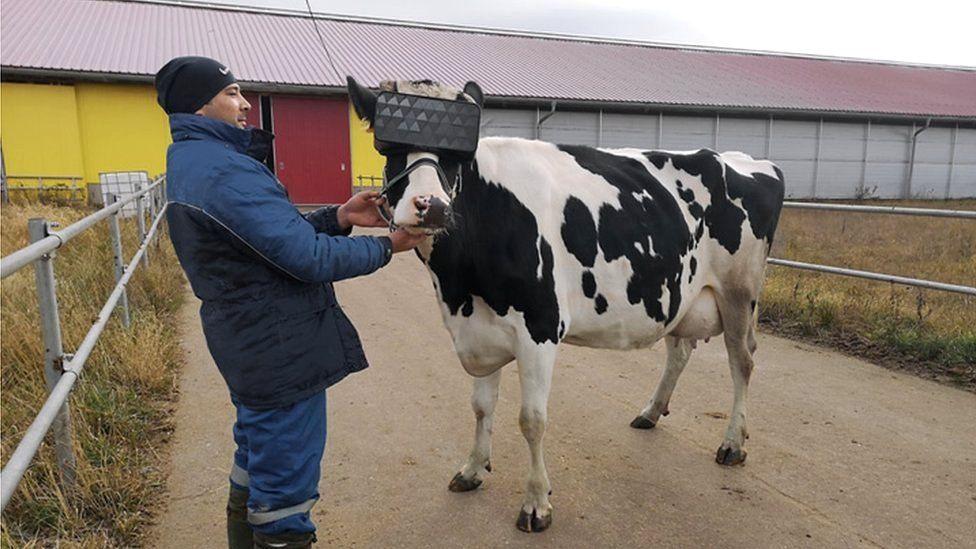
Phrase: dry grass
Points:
(930, 332)
(121, 407)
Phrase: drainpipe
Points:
(911, 162)
(538, 124)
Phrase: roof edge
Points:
(508, 101)
(73, 76)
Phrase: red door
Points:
(311, 149)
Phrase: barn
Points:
(77, 97)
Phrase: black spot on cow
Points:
(468, 308)
(688, 195)
(579, 232)
(762, 196)
(724, 219)
(600, 304)
(647, 212)
(562, 329)
(692, 267)
(497, 261)
(589, 284)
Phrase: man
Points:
(264, 274)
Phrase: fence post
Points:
(159, 200)
(152, 205)
(119, 260)
(141, 216)
(54, 356)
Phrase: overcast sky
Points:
(933, 31)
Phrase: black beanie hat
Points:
(187, 83)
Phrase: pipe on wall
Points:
(538, 124)
(907, 192)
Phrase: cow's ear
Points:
(474, 91)
(363, 100)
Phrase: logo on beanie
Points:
(224, 70)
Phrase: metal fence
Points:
(62, 369)
(367, 183)
(70, 187)
(957, 214)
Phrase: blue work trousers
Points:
(279, 452)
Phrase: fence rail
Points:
(63, 369)
(17, 260)
(931, 212)
(895, 279)
(75, 184)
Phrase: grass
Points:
(929, 332)
(121, 408)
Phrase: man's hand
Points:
(403, 241)
(361, 211)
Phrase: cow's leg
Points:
(679, 350)
(483, 399)
(535, 375)
(740, 344)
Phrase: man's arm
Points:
(326, 220)
(361, 210)
(254, 208)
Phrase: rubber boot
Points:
(284, 541)
(239, 534)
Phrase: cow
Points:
(535, 244)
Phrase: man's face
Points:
(229, 106)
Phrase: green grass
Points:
(929, 332)
(121, 408)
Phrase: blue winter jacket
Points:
(263, 270)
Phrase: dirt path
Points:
(842, 453)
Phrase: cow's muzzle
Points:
(431, 211)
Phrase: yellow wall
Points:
(122, 129)
(365, 160)
(81, 130)
(39, 131)
(88, 128)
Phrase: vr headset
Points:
(413, 123)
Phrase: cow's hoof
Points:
(461, 484)
(728, 456)
(641, 422)
(533, 523)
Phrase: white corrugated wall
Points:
(825, 159)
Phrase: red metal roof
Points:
(137, 38)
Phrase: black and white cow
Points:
(542, 244)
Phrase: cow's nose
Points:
(431, 211)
